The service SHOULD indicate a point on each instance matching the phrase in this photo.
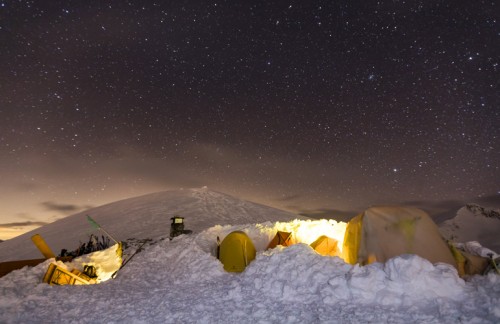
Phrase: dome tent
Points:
(380, 233)
(236, 251)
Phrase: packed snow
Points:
(181, 280)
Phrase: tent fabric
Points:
(474, 264)
(469, 259)
(352, 239)
(325, 245)
(459, 258)
(236, 251)
(381, 233)
(281, 238)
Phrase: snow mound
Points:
(182, 281)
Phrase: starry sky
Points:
(323, 108)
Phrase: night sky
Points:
(319, 107)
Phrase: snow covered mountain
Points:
(145, 217)
(181, 280)
(474, 223)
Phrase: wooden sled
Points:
(57, 275)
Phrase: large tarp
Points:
(381, 233)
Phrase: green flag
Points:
(93, 222)
(97, 226)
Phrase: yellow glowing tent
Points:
(325, 245)
(236, 251)
(381, 233)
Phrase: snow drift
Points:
(180, 280)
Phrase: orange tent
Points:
(281, 238)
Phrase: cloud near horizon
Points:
(22, 224)
(63, 208)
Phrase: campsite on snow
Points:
(196, 255)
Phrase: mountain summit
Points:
(146, 216)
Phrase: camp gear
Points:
(57, 275)
(42, 246)
(90, 268)
(218, 247)
(236, 251)
(6, 267)
(177, 227)
(90, 271)
(493, 267)
(139, 249)
(93, 245)
(467, 263)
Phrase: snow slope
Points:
(181, 281)
(144, 217)
(474, 223)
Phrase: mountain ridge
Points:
(199, 206)
(482, 211)
(203, 207)
(474, 223)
